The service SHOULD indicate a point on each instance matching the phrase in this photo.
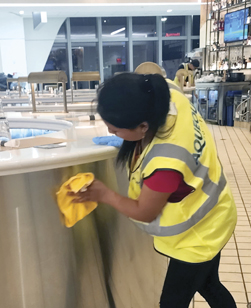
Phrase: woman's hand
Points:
(97, 191)
(146, 208)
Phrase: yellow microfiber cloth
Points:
(73, 212)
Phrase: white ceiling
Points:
(98, 9)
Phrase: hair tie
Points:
(148, 84)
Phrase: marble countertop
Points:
(79, 151)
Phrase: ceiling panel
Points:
(105, 9)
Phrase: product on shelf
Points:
(248, 42)
(215, 25)
(248, 19)
(244, 62)
(249, 62)
(216, 5)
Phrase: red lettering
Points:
(172, 34)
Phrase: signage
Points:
(172, 34)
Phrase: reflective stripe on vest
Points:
(210, 188)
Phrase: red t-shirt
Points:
(169, 181)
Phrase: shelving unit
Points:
(216, 49)
(215, 99)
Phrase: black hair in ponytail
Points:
(128, 99)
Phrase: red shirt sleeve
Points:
(165, 181)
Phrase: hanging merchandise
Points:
(244, 62)
(215, 6)
(249, 41)
(219, 5)
(249, 62)
(224, 4)
(4, 126)
(214, 25)
(215, 46)
(221, 27)
(248, 19)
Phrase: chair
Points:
(83, 76)
(150, 68)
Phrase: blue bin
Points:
(230, 115)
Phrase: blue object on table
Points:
(108, 140)
(17, 133)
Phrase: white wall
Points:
(23, 49)
(1, 66)
(38, 42)
(12, 45)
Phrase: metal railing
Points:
(242, 108)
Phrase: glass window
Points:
(144, 51)
(62, 32)
(173, 26)
(114, 27)
(85, 59)
(196, 25)
(58, 59)
(83, 28)
(115, 58)
(195, 44)
(143, 27)
(173, 54)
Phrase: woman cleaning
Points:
(178, 193)
(186, 69)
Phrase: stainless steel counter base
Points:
(103, 261)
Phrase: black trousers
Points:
(184, 279)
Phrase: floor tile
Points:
(240, 297)
(246, 268)
(234, 150)
(234, 277)
(234, 286)
(247, 277)
(245, 260)
(229, 268)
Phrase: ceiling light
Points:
(164, 19)
(118, 31)
(105, 20)
(169, 11)
(21, 12)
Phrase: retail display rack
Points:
(228, 35)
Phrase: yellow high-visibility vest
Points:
(196, 228)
